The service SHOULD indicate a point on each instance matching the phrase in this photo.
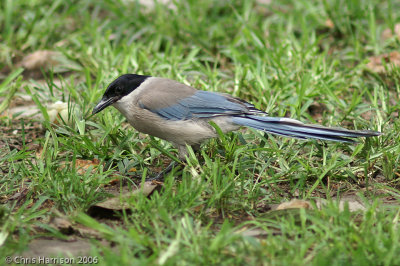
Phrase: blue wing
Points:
(204, 104)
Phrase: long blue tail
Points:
(296, 129)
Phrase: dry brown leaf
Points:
(354, 202)
(65, 226)
(21, 100)
(87, 231)
(87, 163)
(198, 208)
(150, 4)
(53, 247)
(294, 204)
(41, 59)
(264, 2)
(114, 182)
(62, 224)
(388, 33)
(118, 201)
(253, 232)
(31, 111)
(329, 23)
(376, 62)
(81, 165)
(20, 194)
(47, 60)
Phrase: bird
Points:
(183, 115)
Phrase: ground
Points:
(72, 185)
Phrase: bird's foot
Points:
(160, 176)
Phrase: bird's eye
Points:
(118, 90)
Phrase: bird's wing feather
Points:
(176, 101)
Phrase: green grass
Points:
(281, 57)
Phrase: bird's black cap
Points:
(119, 88)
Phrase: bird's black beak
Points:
(105, 102)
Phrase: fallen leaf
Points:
(376, 62)
(29, 110)
(66, 227)
(133, 169)
(82, 166)
(151, 4)
(198, 208)
(294, 204)
(253, 232)
(48, 60)
(264, 2)
(329, 23)
(388, 33)
(85, 164)
(353, 201)
(40, 59)
(19, 195)
(57, 112)
(291, 208)
(62, 224)
(85, 231)
(113, 182)
(48, 248)
(118, 201)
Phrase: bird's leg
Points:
(196, 148)
(182, 154)
(160, 176)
